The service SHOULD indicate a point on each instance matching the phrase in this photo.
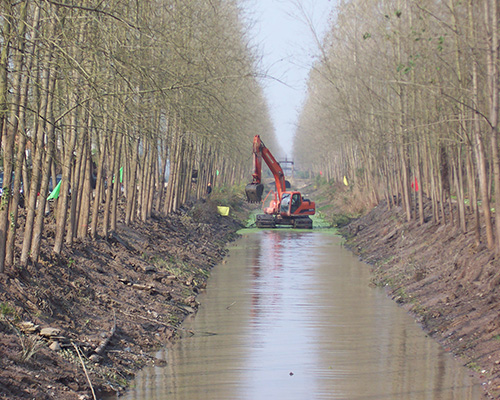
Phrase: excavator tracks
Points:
(303, 223)
(265, 221)
(269, 221)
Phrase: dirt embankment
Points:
(128, 295)
(88, 320)
(444, 279)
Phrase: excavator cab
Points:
(285, 204)
(292, 204)
(254, 192)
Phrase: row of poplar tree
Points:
(404, 102)
(111, 97)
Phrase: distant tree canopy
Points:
(110, 98)
(405, 94)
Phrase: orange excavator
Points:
(286, 207)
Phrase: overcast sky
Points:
(288, 48)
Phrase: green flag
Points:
(121, 176)
(55, 193)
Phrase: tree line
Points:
(403, 101)
(111, 97)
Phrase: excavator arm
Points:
(287, 207)
(255, 189)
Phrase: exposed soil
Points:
(440, 275)
(129, 294)
(125, 296)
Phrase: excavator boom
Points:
(255, 189)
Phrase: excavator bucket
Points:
(254, 192)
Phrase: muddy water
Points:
(291, 315)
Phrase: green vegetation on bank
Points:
(337, 204)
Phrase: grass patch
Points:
(341, 220)
(473, 366)
(31, 345)
(401, 296)
(6, 310)
(171, 266)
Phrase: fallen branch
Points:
(116, 238)
(85, 370)
(103, 344)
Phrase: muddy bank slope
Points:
(80, 325)
(438, 274)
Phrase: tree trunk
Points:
(173, 162)
(75, 190)
(10, 200)
(99, 184)
(48, 78)
(62, 209)
(42, 199)
(116, 186)
(110, 181)
(4, 67)
(163, 172)
(132, 183)
(83, 219)
(491, 16)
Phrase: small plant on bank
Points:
(174, 319)
(401, 296)
(473, 366)
(320, 180)
(417, 308)
(171, 266)
(6, 310)
(7, 315)
(203, 272)
(231, 196)
(340, 220)
(31, 345)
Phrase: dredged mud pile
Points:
(441, 276)
(88, 320)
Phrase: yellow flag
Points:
(345, 181)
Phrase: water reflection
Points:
(282, 360)
(291, 316)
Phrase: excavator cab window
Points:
(295, 202)
(285, 202)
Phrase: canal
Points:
(292, 315)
